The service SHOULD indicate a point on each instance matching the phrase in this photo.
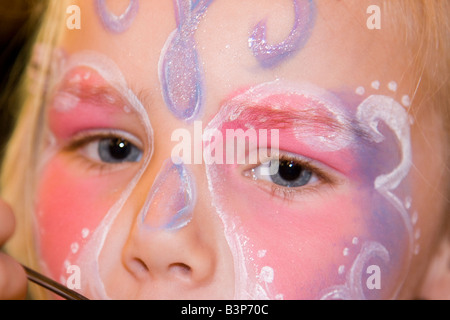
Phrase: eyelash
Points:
(84, 138)
(288, 193)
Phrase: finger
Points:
(7, 222)
(13, 279)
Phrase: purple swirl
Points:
(270, 55)
(114, 23)
(180, 70)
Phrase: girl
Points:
(125, 172)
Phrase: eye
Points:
(286, 172)
(116, 150)
(110, 149)
(291, 174)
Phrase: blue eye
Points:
(291, 174)
(118, 150)
(285, 172)
(114, 149)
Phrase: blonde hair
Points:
(18, 168)
(423, 25)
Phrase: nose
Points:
(166, 242)
(171, 201)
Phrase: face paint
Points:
(271, 55)
(318, 116)
(307, 247)
(370, 113)
(380, 108)
(86, 235)
(254, 279)
(179, 68)
(171, 200)
(113, 23)
(353, 288)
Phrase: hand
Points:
(13, 280)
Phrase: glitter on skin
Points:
(271, 55)
(179, 69)
(113, 23)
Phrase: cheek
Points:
(304, 246)
(292, 250)
(70, 207)
(312, 246)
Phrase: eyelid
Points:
(82, 140)
(326, 176)
(85, 137)
(324, 173)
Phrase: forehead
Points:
(340, 50)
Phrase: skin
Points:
(199, 260)
(14, 285)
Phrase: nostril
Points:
(138, 266)
(180, 270)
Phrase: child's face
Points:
(340, 219)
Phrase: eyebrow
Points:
(260, 116)
(285, 118)
(112, 90)
(324, 123)
(96, 94)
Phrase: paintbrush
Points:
(52, 285)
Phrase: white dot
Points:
(64, 102)
(85, 233)
(360, 91)
(75, 79)
(346, 252)
(66, 264)
(74, 247)
(279, 297)
(376, 85)
(87, 75)
(415, 217)
(392, 86)
(355, 240)
(109, 98)
(261, 253)
(266, 274)
(408, 201)
(341, 269)
(406, 101)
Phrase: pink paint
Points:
(301, 238)
(73, 194)
(97, 105)
(307, 234)
(290, 141)
(282, 248)
(68, 203)
(292, 232)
